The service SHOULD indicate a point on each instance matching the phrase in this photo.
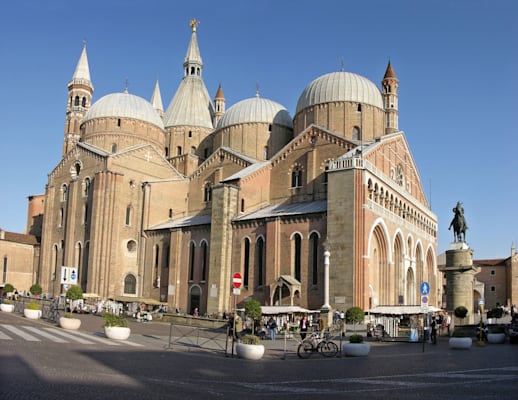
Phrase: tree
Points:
(254, 311)
(354, 315)
(74, 293)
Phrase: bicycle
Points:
(315, 343)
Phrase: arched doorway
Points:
(194, 299)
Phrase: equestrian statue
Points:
(459, 224)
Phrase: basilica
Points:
(321, 208)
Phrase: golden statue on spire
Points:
(194, 23)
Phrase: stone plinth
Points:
(459, 272)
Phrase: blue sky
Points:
(456, 61)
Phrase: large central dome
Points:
(339, 87)
(256, 109)
(124, 105)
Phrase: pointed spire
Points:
(82, 71)
(219, 93)
(156, 99)
(193, 63)
(389, 73)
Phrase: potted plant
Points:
(32, 311)
(116, 326)
(35, 290)
(250, 346)
(8, 290)
(496, 334)
(7, 306)
(74, 293)
(356, 347)
(459, 339)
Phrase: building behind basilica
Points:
(148, 203)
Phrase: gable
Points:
(391, 155)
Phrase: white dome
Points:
(256, 109)
(124, 105)
(340, 86)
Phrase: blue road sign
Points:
(424, 288)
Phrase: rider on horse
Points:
(459, 223)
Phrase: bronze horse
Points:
(459, 224)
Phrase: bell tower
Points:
(389, 86)
(80, 91)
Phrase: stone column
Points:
(459, 272)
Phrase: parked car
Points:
(513, 329)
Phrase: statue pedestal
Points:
(459, 246)
(459, 272)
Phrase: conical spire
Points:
(156, 99)
(82, 71)
(193, 63)
(389, 73)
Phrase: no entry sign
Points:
(237, 280)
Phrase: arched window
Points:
(242, 205)
(191, 261)
(259, 261)
(207, 195)
(297, 246)
(130, 284)
(114, 147)
(204, 259)
(179, 151)
(170, 213)
(313, 257)
(64, 193)
(86, 187)
(128, 215)
(296, 178)
(4, 270)
(83, 103)
(156, 252)
(356, 133)
(246, 262)
(76, 101)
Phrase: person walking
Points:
(272, 326)
(303, 327)
(434, 331)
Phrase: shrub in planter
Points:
(250, 339)
(116, 326)
(8, 288)
(35, 290)
(460, 339)
(69, 322)
(7, 306)
(356, 347)
(32, 311)
(356, 338)
(32, 306)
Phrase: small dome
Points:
(256, 109)
(340, 86)
(124, 105)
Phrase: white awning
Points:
(402, 310)
(286, 310)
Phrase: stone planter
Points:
(460, 342)
(117, 332)
(496, 338)
(69, 323)
(356, 349)
(32, 314)
(250, 351)
(7, 307)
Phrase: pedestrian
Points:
(272, 326)
(448, 323)
(303, 327)
(230, 326)
(195, 313)
(238, 323)
(434, 331)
